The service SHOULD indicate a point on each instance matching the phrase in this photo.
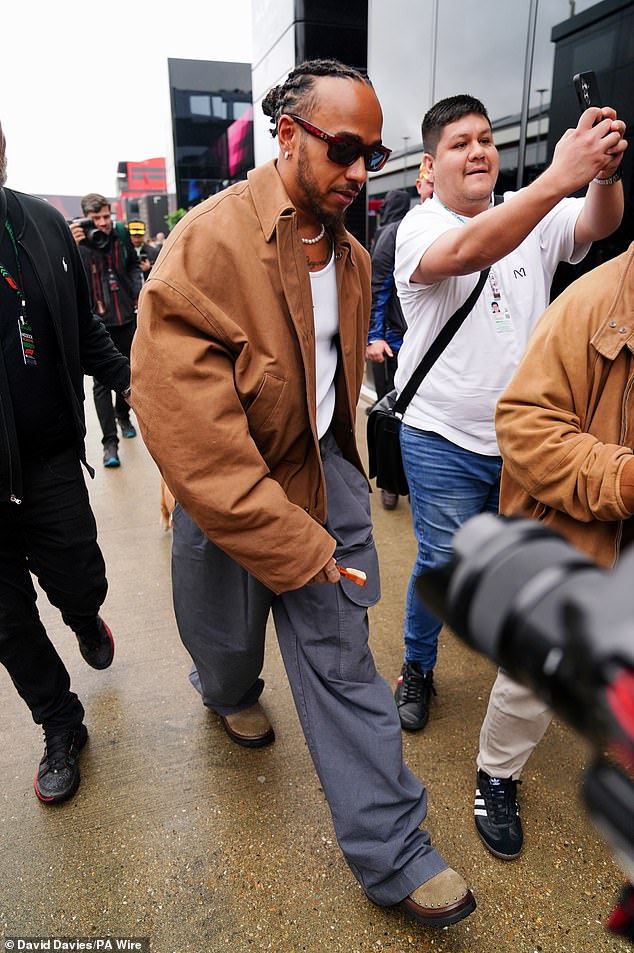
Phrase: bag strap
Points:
(438, 345)
(442, 339)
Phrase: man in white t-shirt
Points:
(450, 453)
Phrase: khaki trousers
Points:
(513, 726)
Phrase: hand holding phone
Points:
(587, 89)
(593, 149)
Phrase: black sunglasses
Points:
(344, 150)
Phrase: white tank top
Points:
(323, 285)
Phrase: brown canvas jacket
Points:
(565, 423)
(223, 378)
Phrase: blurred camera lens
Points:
(508, 591)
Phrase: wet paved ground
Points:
(178, 835)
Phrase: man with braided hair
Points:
(246, 377)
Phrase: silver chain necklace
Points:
(317, 238)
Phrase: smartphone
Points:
(587, 89)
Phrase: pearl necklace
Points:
(317, 238)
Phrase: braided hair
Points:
(297, 93)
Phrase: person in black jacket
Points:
(115, 280)
(146, 254)
(49, 339)
(387, 324)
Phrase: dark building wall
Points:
(212, 123)
(600, 39)
(331, 29)
(150, 209)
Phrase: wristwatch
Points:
(611, 179)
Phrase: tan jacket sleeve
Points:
(559, 421)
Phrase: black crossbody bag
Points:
(384, 417)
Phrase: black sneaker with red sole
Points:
(57, 778)
(96, 644)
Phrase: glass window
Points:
(240, 109)
(219, 107)
(199, 105)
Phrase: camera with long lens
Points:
(94, 236)
(520, 594)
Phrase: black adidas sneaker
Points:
(497, 815)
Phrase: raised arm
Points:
(603, 207)
(581, 154)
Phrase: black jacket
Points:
(151, 254)
(119, 260)
(85, 347)
(386, 319)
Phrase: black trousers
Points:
(122, 339)
(53, 535)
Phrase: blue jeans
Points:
(447, 486)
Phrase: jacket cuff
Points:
(626, 485)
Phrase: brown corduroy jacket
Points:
(223, 376)
(565, 423)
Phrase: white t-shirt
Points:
(457, 398)
(323, 285)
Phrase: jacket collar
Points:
(617, 329)
(11, 205)
(272, 202)
(36, 245)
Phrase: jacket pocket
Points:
(262, 409)
(541, 512)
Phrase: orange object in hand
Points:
(356, 575)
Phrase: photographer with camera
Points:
(115, 280)
(565, 427)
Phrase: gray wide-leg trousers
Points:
(346, 709)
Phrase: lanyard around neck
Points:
(25, 331)
(19, 285)
(493, 281)
(451, 212)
